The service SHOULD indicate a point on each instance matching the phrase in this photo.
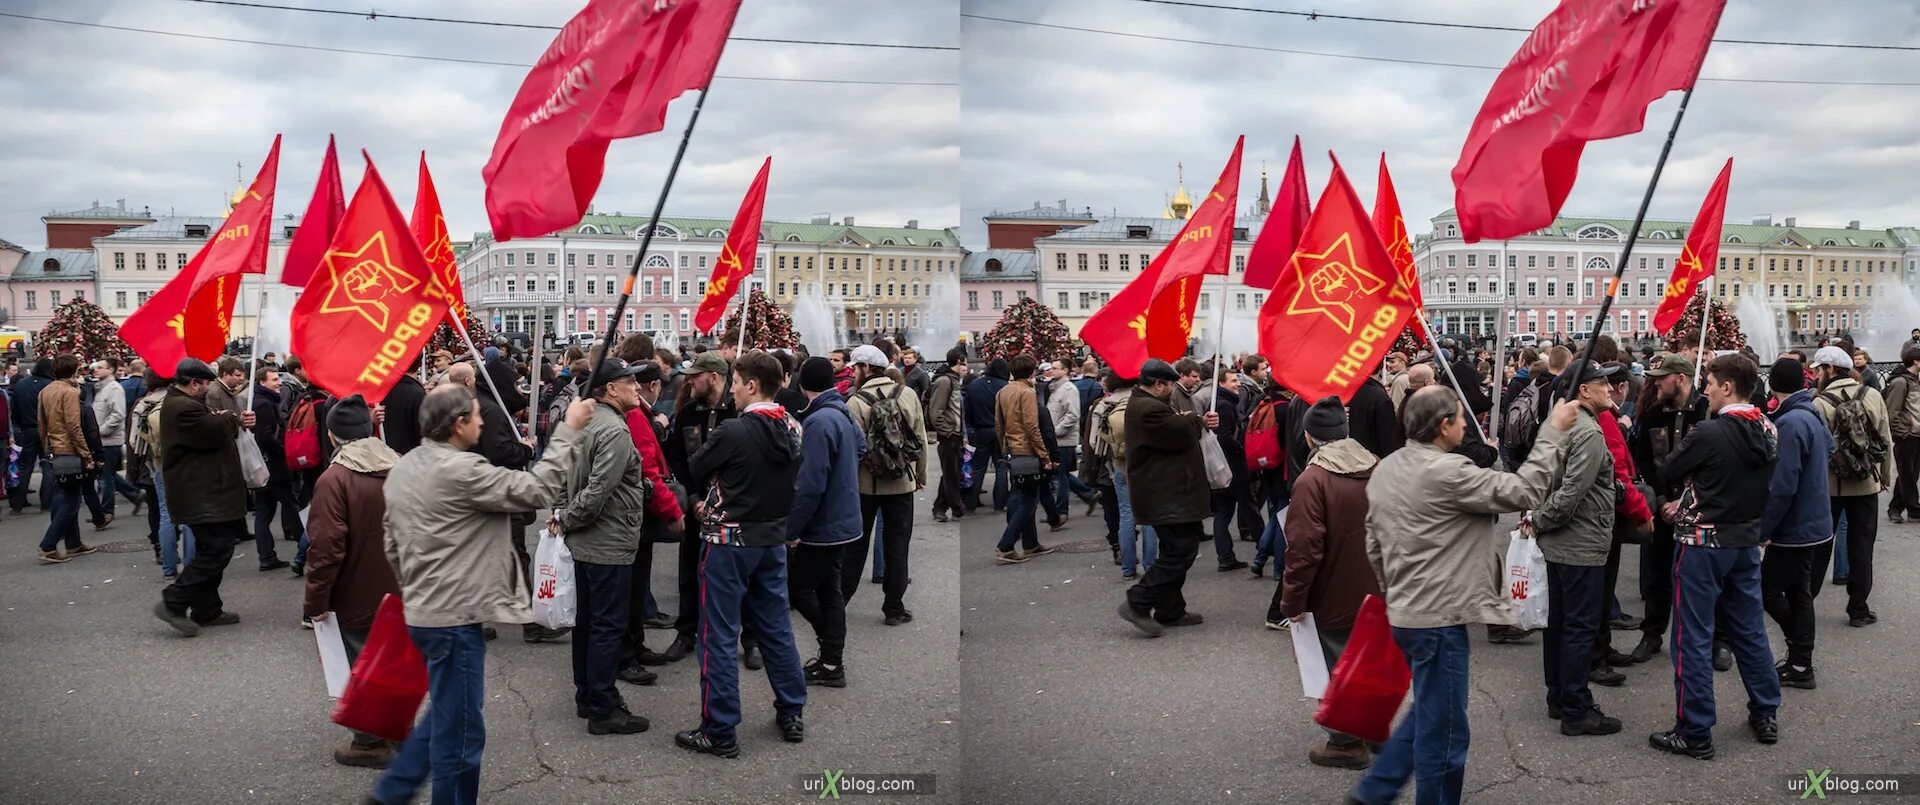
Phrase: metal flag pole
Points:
(1220, 343)
(1446, 365)
(746, 312)
(253, 349)
(1620, 266)
(481, 366)
(646, 240)
(538, 405)
(1706, 308)
(1500, 336)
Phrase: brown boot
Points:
(367, 756)
(1354, 757)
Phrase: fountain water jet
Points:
(1890, 320)
(1758, 325)
(939, 326)
(818, 321)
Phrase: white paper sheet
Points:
(333, 654)
(1312, 661)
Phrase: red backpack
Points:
(1266, 450)
(303, 436)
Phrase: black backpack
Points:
(892, 449)
(1523, 421)
(1858, 448)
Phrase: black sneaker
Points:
(1594, 723)
(273, 564)
(299, 570)
(1766, 729)
(1649, 646)
(1506, 634)
(793, 729)
(1791, 677)
(940, 517)
(1617, 660)
(535, 633)
(1259, 569)
(1625, 623)
(1151, 627)
(819, 674)
(1188, 619)
(647, 656)
(636, 675)
(178, 620)
(750, 657)
(1867, 619)
(489, 633)
(679, 648)
(620, 722)
(1722, 658)
(1232, 565)
(699, 741)
(1671, 741)
(898, 618)
(1553, 711)
(227, 618)
(1605, 675)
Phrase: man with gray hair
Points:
(1431, 541)
(448, 525)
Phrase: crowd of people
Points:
(770, 472)
(1738, 486)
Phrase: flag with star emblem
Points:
(429, 228)
(1201, 248)
(609, 74)
(1117, 332)
(1281, 232)
(192, 315)
(736, 257)
(1339, 304)
(1392, 229)
(372, 304)
(324, 209)
(1699, 257)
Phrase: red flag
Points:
(736, 258)
(373, 303)
(1340, 303)
(1281, 233)
(1699, 257)
(1587, 72)
(192, 315)
(1392, 229)
(609, 74)
(429, 228)
(1201, 248)
(1118, 330)
(316, 227)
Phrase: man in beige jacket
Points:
(1857, 495)
(893, 468)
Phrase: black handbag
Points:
(66, 469)
(1023, 470)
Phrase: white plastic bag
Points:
(1219, 475)
(333, 653)
(253, 465)
(1527, 581)
(554, 598)
(1312, 661)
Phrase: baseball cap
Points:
(613, 369)
(708, 361)
(1833, 356)
(869, 355)
(1667, 363)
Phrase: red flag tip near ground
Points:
(736, 257)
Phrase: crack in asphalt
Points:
(533, 739)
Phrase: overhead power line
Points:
(1393, 60)
(377, 15)
(449, 59)
(1321, 15)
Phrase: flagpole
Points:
(646, 240)
(1706, 308)
(1620, 266)
(253, 348)
(1438, 358)
(481, 367)
(746, 310)
(1500, 336)
(1220, 343)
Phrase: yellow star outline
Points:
(1400, 247)
(1684, 285)
(439, 251)
(358, 274)
(1334, 267)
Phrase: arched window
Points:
(657, 261)
(1736, 239)
(887, 242)
(1453, 231)
(1657, 234)
(665, 231)
(1597, 232)
(1600, 264)
(935, 243)
(994, 265)
(589, 229)
(720, 234)
(1828, 242)
(793, 238)
(1879, 244)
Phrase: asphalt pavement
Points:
(1066, 703)
(103, 703)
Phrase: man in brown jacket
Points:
(205, 490)
(1327, 570)
(347, 570)
(1016, 416)
(61, 441)
(1167, 479)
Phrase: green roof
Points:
(770, 231)
(1567, 225)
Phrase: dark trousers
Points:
(688, 580)
(1245, 494)
(983, 460)
(641, 573)
(196, 591)
(947, 498)
(275, 495)
(1333, 643)
(1790, 578)
(1906, 474)
(1726, 581)
(600, 625)
(1610, 602)
(64, 522)
(1110, 509)
(1065, 463)
(742, 585)
(110, 480)
(1656, 578)
(896, 530)
(1022, 501)
(1158, 593)
(1863, 526)
(29, 463)
(1225, 506)
(1575, 608)
(355, 641)
(303, 489)
(814, 578)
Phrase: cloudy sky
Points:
(98, 114)
(1101, 120)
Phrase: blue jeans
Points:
(1840, 565)
(63, 500)
(1132, 561)
(1065, 482)
(110, 480)
(1727, 581)
(1023, 503)
(1273, 538)
(1430, 745)
(171, 557)
(983, 459)
(447, 743)
(739, 583)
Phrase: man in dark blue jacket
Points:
(825, 518)
(977, 400)
(1798, 527)
(23, 407)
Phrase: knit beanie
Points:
(816, 375)
(1786, 376)
(349, 419)
(1327, 420)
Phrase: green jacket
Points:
(1574, 521)
(605, 501)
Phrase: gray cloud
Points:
(101, 114)
(1101, 120)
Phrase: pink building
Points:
(989, 282)
(41, 281)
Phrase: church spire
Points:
(1266, 203)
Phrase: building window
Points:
(1239, 301)
(998, 303)
(140, 261)
(1533, 287)
(180, 260)
(1062, 296)
(1473, 260)
(1533, 260)
(1060, 261)
(1123, 261)
(1587, 288)
(686, 320)
(119, 261)
(629, 259)
(1643, 264)
(530, 284)
(1550, 261)
(1550, 287)
(1512, 261)
(590, 259)
(1452, 286)
(570, 287)
(1080, 261)
(683, 292)
(33, 300)
(1206, 301)
(703, 261)
(1103, 262)
(1643, 289)
(142, 297)
(1239, 264)
(647, 286)
(973, 300)
(550, 258)
(859, 288)
(646, 321)
(553, 285)
(1473, 285)
(1798, 290)
(781, 288)
(510, 259)
(610, 265)
(1144, 260)
(120, 299)
(1451, 261)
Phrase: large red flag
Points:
(429, 228)
(309, 242)
(374, 302)
(609, 74)
(1202, 247)
(1392, 229)
(1340, 303)
(1281, 233)
(1587, 72)
(1117, 332)
(192, 315)
(1699, 257)
(736, 257)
